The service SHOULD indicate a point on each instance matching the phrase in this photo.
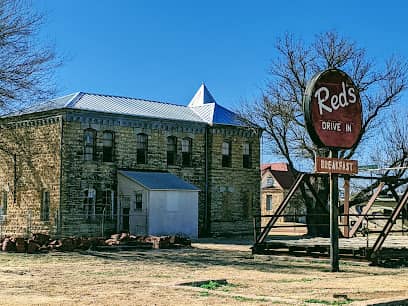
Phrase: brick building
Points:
(276, 180)
(59, 162)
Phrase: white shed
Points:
(156, 203)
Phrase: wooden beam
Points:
(391, 221)
(366, 209)
(280, 209)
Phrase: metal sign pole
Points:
(334, 226)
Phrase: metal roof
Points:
(204, 105)
(202, 96)
(158, 180)
(202, 108)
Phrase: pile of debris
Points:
(123, 241)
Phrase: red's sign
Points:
(333, 111)
(336, 165)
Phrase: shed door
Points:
(138, 213)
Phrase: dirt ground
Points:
(156, 277)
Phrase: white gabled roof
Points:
(202, 108)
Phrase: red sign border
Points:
(307, 107)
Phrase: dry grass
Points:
(154, 278)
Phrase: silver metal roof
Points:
(158, 180)
(202, 108)
(204, 105)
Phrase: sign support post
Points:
(334, 222)
(333, 117)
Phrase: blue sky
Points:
(164, 50)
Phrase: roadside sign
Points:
(336, 165)
(332, 109)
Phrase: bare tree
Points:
(26, 73)
(26, 65)
(280, 109)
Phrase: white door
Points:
(138, 213)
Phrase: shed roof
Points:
(158, 180)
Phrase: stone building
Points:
(276, 180)
(59, 163)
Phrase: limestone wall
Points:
(79, 174)
(227, 202)
(234, 191)
(36, 145)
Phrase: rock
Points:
(32, 246)
(8, 245)
(124, 237)
(67, 245)
(21, 245)
(41, 239)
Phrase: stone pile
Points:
(44, 243)
(155, 242)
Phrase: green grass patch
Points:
(211, 285)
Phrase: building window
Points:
(88, 205)
(3, 206)
(171, 150)
(141, 148)
(268, 202)
(89, 144)
(139, 200)
(108, 146)
(269, 181)
(45, 206)
(186, 151)
(109, 205)
(246, 156)
(226, 154)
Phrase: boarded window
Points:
(226, 154)
(108, 204)
(141, 148)
(247, 204)
(3, 206)
(246, 155)
(171, 150)
(108, 146)
(45, 206)
(227, 206)
(269, 202)
(186, 151)
(88, 204)
(89, 144)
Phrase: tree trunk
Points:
(318, 218)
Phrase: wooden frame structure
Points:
(371, 253)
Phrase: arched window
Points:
(45, 205)
(108, 146)
(171, 150)
(186, 151)
(89, 144)
(246, 155)
(226, 154)
(141, 148)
